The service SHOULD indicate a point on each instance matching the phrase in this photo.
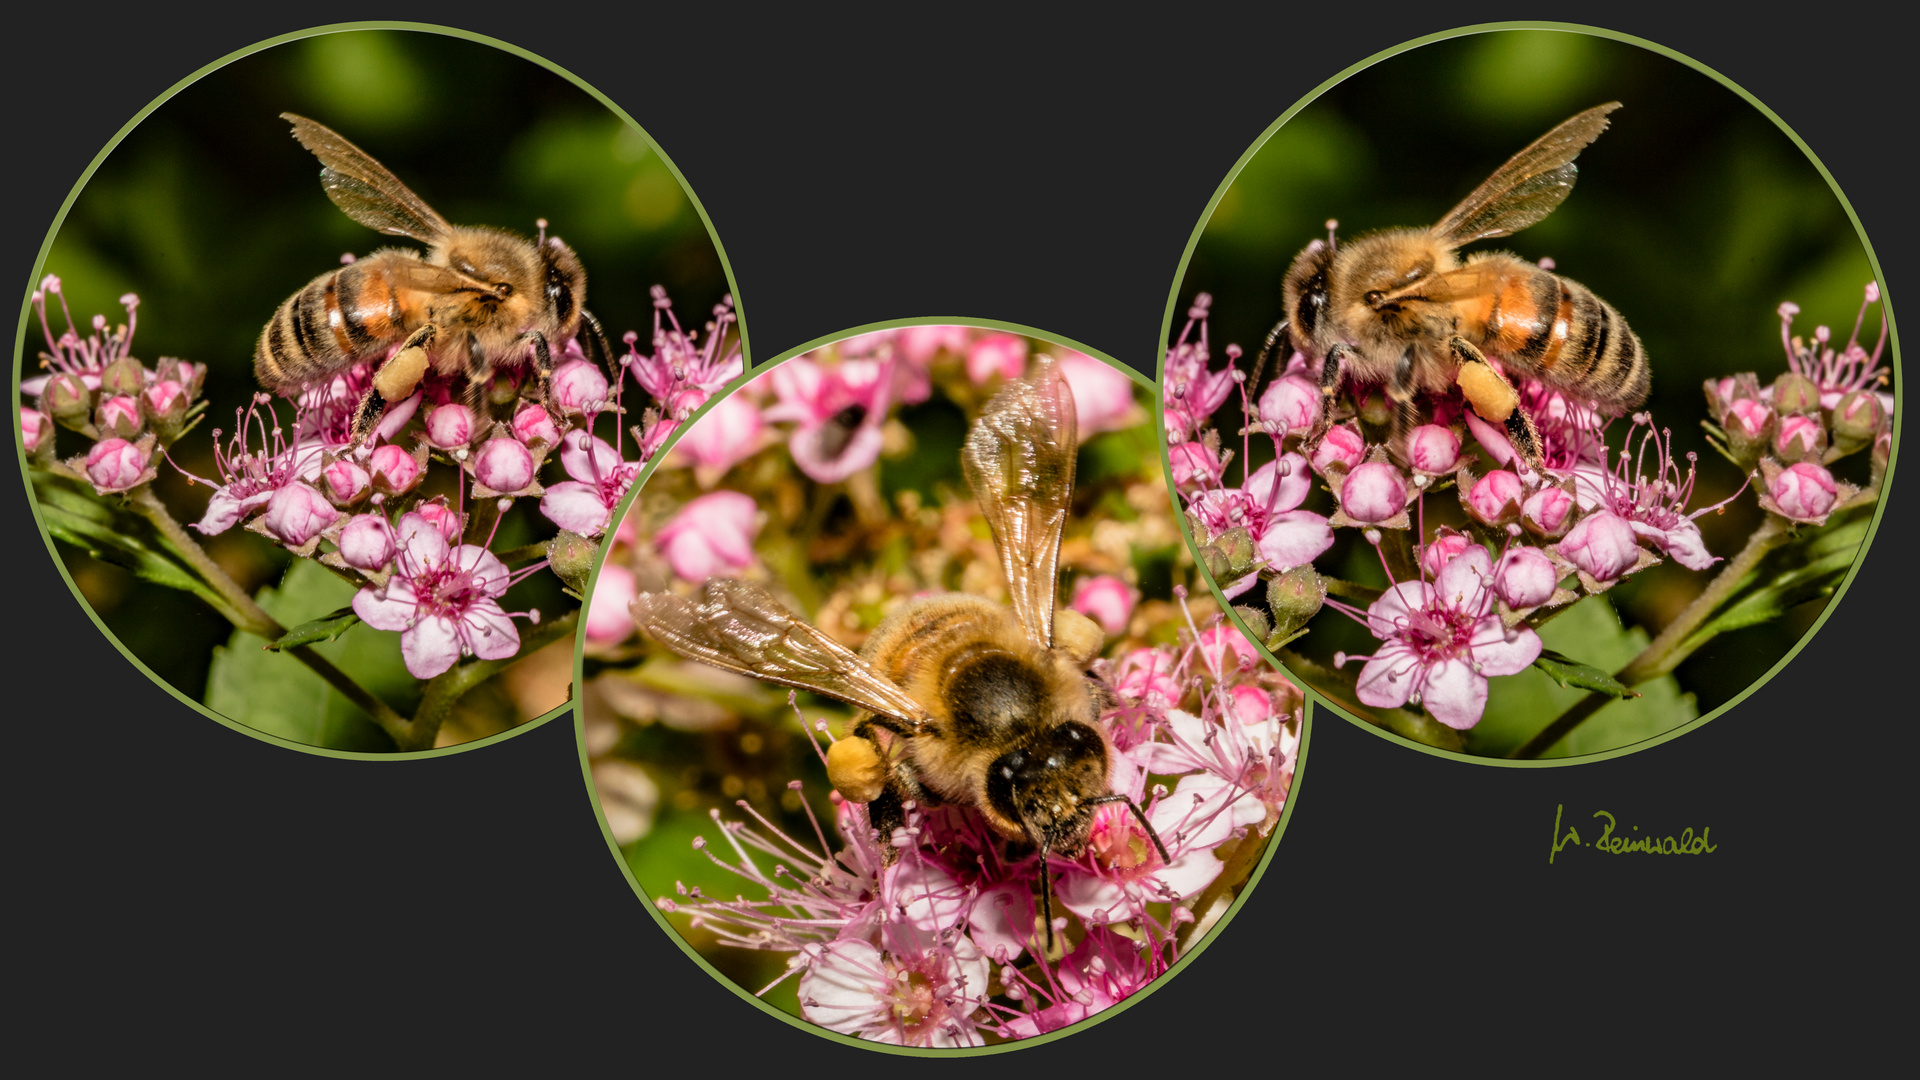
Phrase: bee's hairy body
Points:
(1402, 309)
(481, 300)
(992, 696)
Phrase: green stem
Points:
(243, 613)
(1665, 652)
(446, 689)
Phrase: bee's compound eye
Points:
(1373, 296)
(504, 288)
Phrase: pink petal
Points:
(489, 632)
(1454, 694)
(576, 507)
(430, 647)
(1387, 680)
(392, 612)
(1294, 538)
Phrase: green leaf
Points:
(1570, 672)
(113, 536)
(1518, 706)
(277, 694)
(325, 628)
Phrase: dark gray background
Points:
(183, 891)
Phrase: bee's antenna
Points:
(599, 337)
(1142, 818)
(1266, 351)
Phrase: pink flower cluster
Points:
(941, 947)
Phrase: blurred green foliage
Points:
(213, 215)
(1695, 216)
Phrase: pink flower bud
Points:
(1857, 417)
(686, 402)
(1291, 404)
(711, 535)
(297, 513)
(366, 542)
(36, 429)
(345, 482)
(1495, 498)
(504, 465)
(1250, 704)
(1602, 544)
(996, 354)
(725, 436)
(1435, 556)
(1525, 578)
(1102, 396)
(1748, 419)
(1804, 492)
(578, 386)
(920, 344)
(1373, 492)
(1545, 513)
(1193, 463)
(1342, 445)
(444, 518)
(120, 416)
(532, 423)
(449, 426)
(607, 620)
(1432, 449)
(123, 376)
(68, 398)
(1800, 437)
(166, 402)
(395, 472)
(116, 465)
(1106, 600)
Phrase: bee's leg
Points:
(1493, 399)
(479, 379)
(1332, 375)
(542, 374)
(1400, 390)
(395, 380)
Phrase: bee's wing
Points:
(1527, 187)
(439, 279)
(364, 188)
(1468, 282)
(1019, 459)
(739, 626)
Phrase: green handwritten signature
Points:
(1684, 844)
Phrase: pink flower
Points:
(297, 513)
(1495, 498)
(585, 503)
(395, 472)
(1193, 463)
(1292, 404)
(119, 416)
(69, 354)
(1343, 446)
(1444, 548)
(1654, 503)
(533, 424)
(1284, 536)
(1804, 492)
(607, 620)
(922, 995)
(1103, 969)
(839, 411)
(679, 360)
(1545, 513)
(711, 535)
(503, 465)
(999, 354)
(1106, 600)
(579, 387)
(1525, 578)
(920, 344)
(1432, 449)
(1121, 872)
(118, 465)
(250, 477)
(1602, 544)
(441, 600)
(1373, 492)
(1441, 642)
(1102, 396)
(1836, 374)
(728, 434)
(36, 429)
(450, 426)
(449, 521)
(1146, 677)
(366, 542)
(346, 483)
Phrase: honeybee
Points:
(481, 299)
(964, 700)
(1398, 307)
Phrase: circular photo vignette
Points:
(194, 224)
(831, 480)
(1729, 506)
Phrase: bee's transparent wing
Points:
(364, 188)
(739, 626)
(1527, 187)
(1019, 459)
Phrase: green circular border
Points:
(59, 219)
(593, 793)
(1175, 308)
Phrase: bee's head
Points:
(1048, 782)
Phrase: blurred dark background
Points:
(213, 215)
(1694, 215)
